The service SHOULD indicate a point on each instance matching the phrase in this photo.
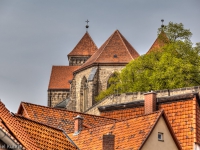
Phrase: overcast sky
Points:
(36, 34)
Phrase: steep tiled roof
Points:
(32, 134)
(59, 118)
(8, 133)
(116, 50)
(159, 42)
(15, 127)
(181, 110)
(85, 47)
(45, 136)
(130, 134)
(60, 76)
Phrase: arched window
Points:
(83, 95)
(109, 83)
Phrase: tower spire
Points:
(87, 26)
(162, 26)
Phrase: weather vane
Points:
(87, 26)
(162, 20)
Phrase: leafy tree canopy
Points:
(175, 31)
(175, 65)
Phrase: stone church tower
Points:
(75, 86)
(59, 84)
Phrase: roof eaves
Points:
(173, 98)
(10, 140)
(69, 111)
(121, 106)
(97, 64)
(69, 138)
(49, 89)
(145, 138)
(171, 131)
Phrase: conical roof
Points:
(159, 42)
(116, 50)
(85, 47)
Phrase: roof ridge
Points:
(124, 43)
(107, 41)
(129, 44)
(20, 116)
(151, 130)
(162, 33)
(91, 39)
(84, 36)
(68, 110)
(120, 121)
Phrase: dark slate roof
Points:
(62, 104)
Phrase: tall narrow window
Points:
(83, 95)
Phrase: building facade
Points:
(88, 72)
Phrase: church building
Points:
(75, 86)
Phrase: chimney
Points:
(78, 124)
(108, 142)
(150, 102)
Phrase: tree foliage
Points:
(175, 65)
(175, 32)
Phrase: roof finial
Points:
(87, 26)
(162, 20)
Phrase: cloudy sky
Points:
(36, 34)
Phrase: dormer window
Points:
(160, 136)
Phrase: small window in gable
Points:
(160, 136)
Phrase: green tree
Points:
(176, 31)
(175, 65)
(113, 86)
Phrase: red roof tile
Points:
(8, 133)
(45, 136)
(32, 134)
(159, 42)
(129, 134)
(116, 50)
(15, 127)
(60, 76)
(85, 47)
(180, 113)
(59, 118)
(124, 114)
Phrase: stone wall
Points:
(77, 61)
(129, 97)
(104, 74)
(56, 96)
(98, 84)
(76, 93)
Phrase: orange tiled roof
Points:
(124, 114)
(116, 50)
(60, 76)
(8, 133)
(159, 42)
(181, 111)
(32, 134)
(85, 47)
(45, 136)
(129, 134)
(59, 118)
(15, 127)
